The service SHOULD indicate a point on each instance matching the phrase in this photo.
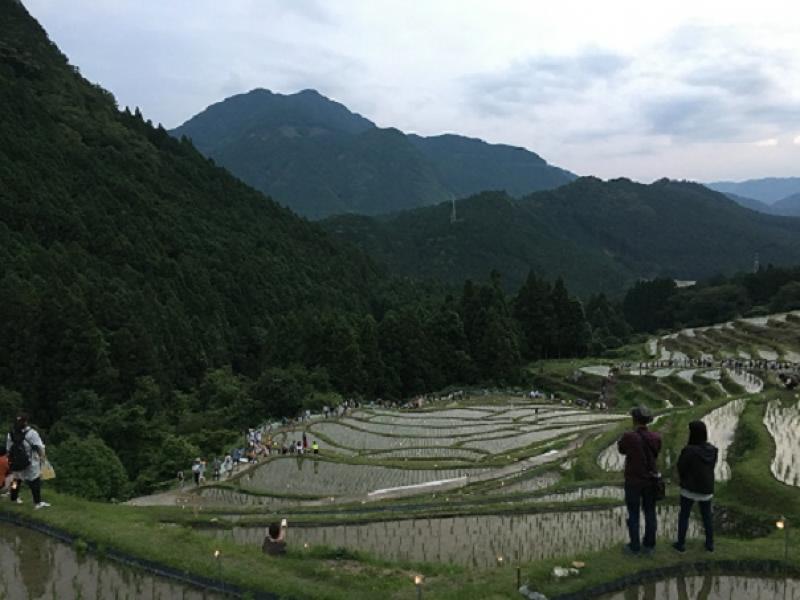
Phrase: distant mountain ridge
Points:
(599, 236)
(319, 158)
(768, 190)
(753, 204)
(789, 206)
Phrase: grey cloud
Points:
(741, 80)
(717, 117)
(541, 80)
(696, 116)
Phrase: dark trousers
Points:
(683, 521)
(36, 489)
(641, 499)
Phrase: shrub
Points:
(89, 468)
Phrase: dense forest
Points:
(660, 304)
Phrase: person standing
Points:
(696, 471)
(641, 448)
(26, 455)
(196, 470)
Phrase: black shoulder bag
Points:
(656, 480)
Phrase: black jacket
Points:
(696, 468)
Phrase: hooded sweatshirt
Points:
(696, 468)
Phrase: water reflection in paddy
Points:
(722, 587)
(474, 541)
(36, 567)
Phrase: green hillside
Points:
(130, 267)
(493, 231)
(600, 236)
(321, 159)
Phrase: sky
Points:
(702, 90)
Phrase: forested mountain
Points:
(320, 159)
(768, 189)
(789, 206)
(600, 236)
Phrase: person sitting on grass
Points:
(696, 470)
(275, 540)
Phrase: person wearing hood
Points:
(696, 471)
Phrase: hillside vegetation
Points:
(599, 236)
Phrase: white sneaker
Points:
(18, 500)
(41, 505)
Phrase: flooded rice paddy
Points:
(721, 424)
(783, 424)
(712, 587)
(311, 477)
(472, 541)
(36, 567)
(610, 459)
(529, 484)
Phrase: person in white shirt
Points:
(26, 455)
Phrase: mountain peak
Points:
(321, 158)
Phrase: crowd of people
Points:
(709, 362)
(259, 443)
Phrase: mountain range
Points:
(319, 159)
(598, 236)
(770, 195)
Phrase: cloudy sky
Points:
(698, 90)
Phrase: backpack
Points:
(18, 458)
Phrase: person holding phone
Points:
(275, 540)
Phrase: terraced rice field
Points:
(774, 337)
(311, 477)
(453, 432)
(721, 424)
(783, 424)
(473, 541)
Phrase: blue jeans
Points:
(638, 498)
(683, 521)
